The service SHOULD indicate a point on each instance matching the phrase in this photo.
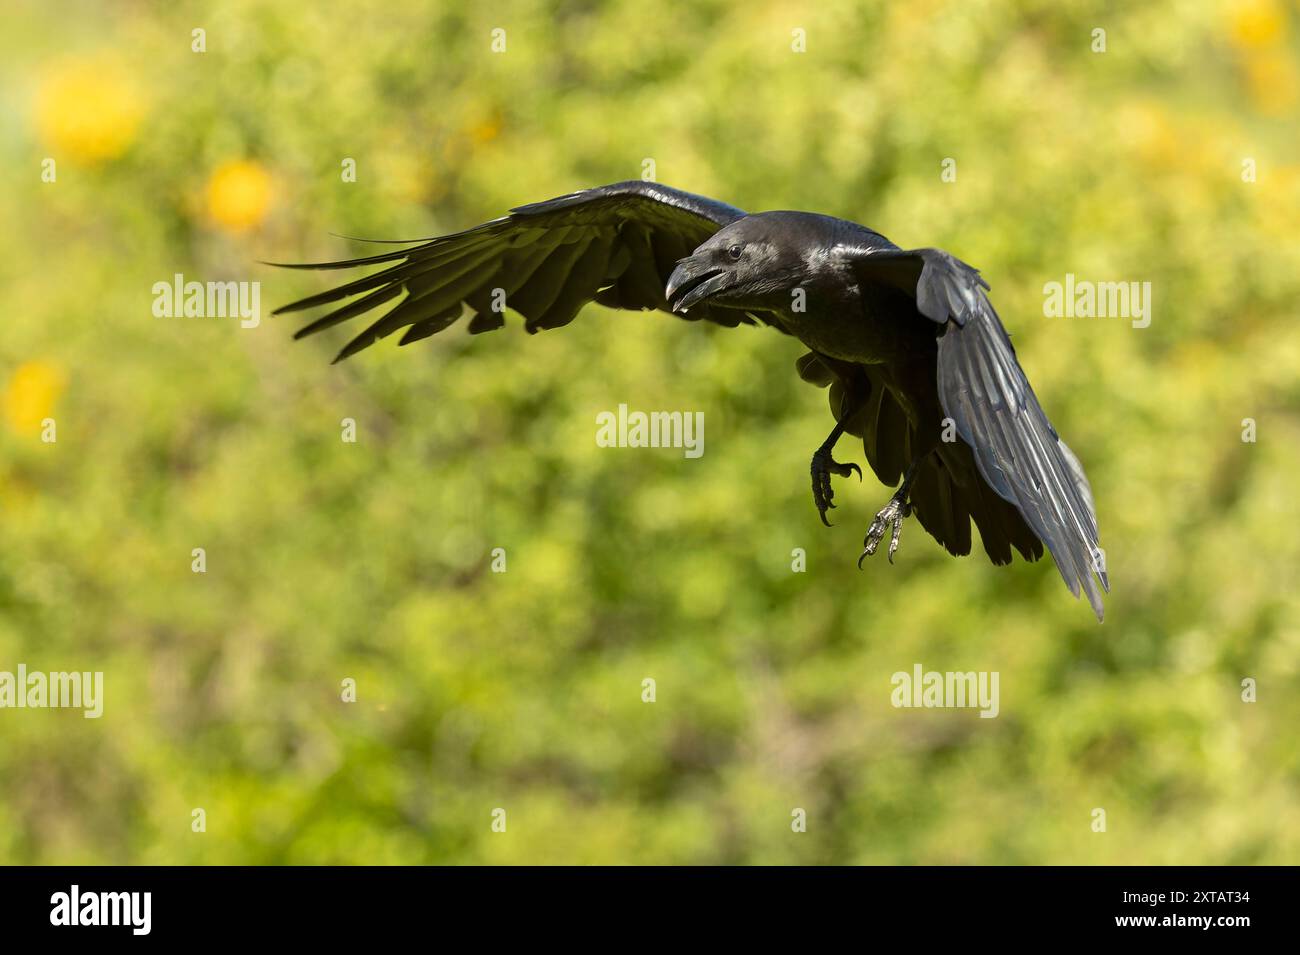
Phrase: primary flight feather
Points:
(917, 361)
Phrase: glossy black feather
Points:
(548, 259)
(982, 386)
(903, 339)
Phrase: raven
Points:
(917, 362)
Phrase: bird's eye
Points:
(734, 252)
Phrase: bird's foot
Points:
(823, 466)
(891, 515)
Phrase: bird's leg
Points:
(891, 516)
(823, 466)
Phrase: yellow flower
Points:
(88, 110)
(1273, 82)
(1148, 128)
(239, 194)
(30, 395)
(1254, 24)
(485, 131)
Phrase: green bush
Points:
(370, 561)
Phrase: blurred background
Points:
(1171, 157)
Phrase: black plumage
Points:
(915, 357)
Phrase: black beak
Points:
(693, 281)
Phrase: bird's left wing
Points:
(615, 244)
(984, 390)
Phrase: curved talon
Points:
(891, 516)
(823, 466)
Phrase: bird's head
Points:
(747, 264)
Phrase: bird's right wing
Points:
(615, 244)
(985, 391)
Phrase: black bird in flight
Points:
(918, 364)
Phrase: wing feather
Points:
(616, 244)
(985, 391)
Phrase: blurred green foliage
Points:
(370, 561)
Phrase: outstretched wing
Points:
(983, 389)
(615, 244)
